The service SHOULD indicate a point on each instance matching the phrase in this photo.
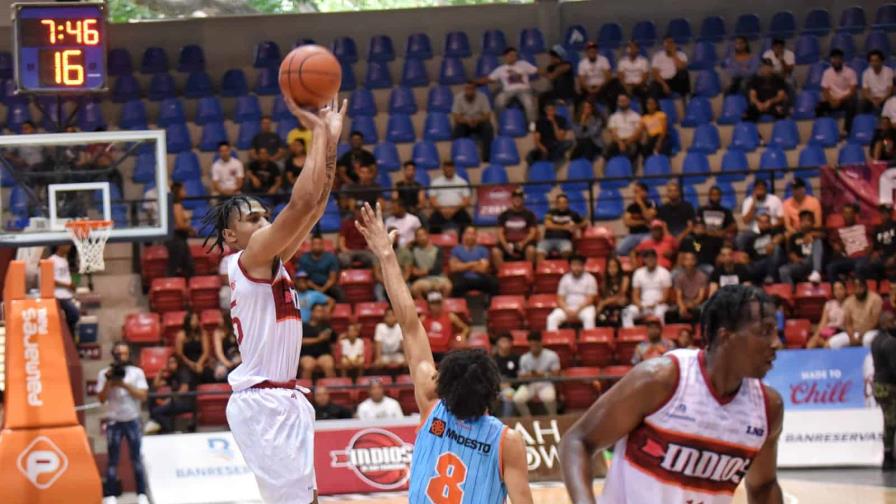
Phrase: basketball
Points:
(311, 75)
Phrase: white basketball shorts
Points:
(274, 429)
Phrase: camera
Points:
(116, 371)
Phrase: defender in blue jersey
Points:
(462, 454)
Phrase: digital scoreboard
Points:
(59, 47)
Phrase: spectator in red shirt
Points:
(444, 328)
(660, 241)
(849, 244)
(351, 246)
(517, 232)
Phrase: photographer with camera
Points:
(122, 387)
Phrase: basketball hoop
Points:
(90, 238)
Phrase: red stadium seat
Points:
(141, 328)
(458, 306)
(595, 346)
(851, 289)
(211, 319)
(153, 263)
(172, 323)
(342, 396)
(883, 288)
(404, 392)
(671, 331)
(809, 300)
(783, 291)
(626, 340)
(548, 273)
(204, 263)
(422, 307)
(596, 266)
(446, 242)
(538, 309)
(515, 277)
(797, 332)
(154, 359)
(357, 285)
(596, 241)
(613, 374)
(563, 342)
(519, 341)
(370, 314)
(168, 294)
(506, 313)
(212, 408)
(340, 317)
(479, 340)
(364, 381)
(204, 292)
(580, 394)
(487, 239)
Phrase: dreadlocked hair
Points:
(216, 219)
(468, 383)
(728, 308)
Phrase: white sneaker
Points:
(815, 277)
(142, 499)
(151, 427)
(110, 500)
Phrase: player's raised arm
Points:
(762, 479)
(416, 342)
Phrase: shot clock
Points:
(59, 47)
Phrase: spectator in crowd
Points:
(267, 140)
(889, 303)
(317, 336)
(378, 406)
(849, 245)
(300, 132)
(122, 396)
(877, 83)
(804, 252)
(449, 196)
(445, 328)
(576, 294)
(228, 175)
(670, 71)
(64, 287)
(881, 262)
(767, 94)
(508, 366)
(470, 267)
(861, 313)
(351, 362)
(309, 297)
(426, 267)
(655, 128)
(883, 355)
(798, 202)
(180, 259)
(783, 60)
(686, 339)
(561, 226)
(263, 175)
(351, 245)
(625, 131)
(552, 137)
(513, 78)
(560, 73)
(655, 345)
(409, 191)
(325, 409)
(831, 321)
(728, 271)
(357, 156)
(677, 213)
(588, 131)
(662, 243)
(705, 246)
(405, 263)
(718, 218)
(758, 203)
(594, 74)
(388, 353)
(616, 285)
(650, 290)
(404, 222)
(322, 268)
(472, 116)
(365, 190)
(191, 346)
(294, 163)
(883, 144)
(838, 90)
(637, 215)
(741, 66)
(889, 110)
(163, 413)
(538, 362)
(764, 248)
(633, 72)
(225, 348)
(690, 290)
(28, 157)
(517, 232)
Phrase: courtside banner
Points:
(820, 379)
(831, 438)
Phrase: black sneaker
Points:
(889, 462)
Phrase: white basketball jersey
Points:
(268, 326)
(696, 448)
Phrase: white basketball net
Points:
(90, 238)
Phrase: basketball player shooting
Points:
(689, 426)
(462, 455)
(272, 422)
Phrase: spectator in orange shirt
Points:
(656, 345)
(662, 242)
(798, 202)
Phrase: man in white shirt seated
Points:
(633, 72)
(670, 71)
(877, 84)
(783, 60)
(227, 172)
(538, 362)
(513, 77)
(594, 75)
(449, 196)
(575, 297)
(650, 290)
(625, 130)
(378, 406)
(838, 90)
(761, 202)
(406, 223)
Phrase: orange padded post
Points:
(43, 449)
(47, 280)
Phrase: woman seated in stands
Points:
(175, 379)
(655, 127)
(226, 349)
(614, 294)
(387, 336)
(191, 348)
(831, 321)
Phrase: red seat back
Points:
(357, 284)
(797, 332)
(596, 241)
(595, 346)
(340, 317)
(561, 341)
(548, 274)
(809, 300)
(458, 306)
(403, 390)
(538, 309)
(142, 328)
(172, 323)
(212, 408)
(342, 396)
(211, 319)
(369, 314)
(515, 277)
(153, 359)
(626, 340)
(580, 394)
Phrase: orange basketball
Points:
(311, 75)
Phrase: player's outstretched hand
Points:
(309, 119)
(374, 231)
(333, 116)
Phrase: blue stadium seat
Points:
(349, 82)
(697, 112)
(707, 84)
(457, 45)
(452, 71)
(177, 138)
(485, 64)
(49, 118)
(267, 54)
(161, 86)
(805, 105)
(818, 22)
(345, 49)
(747, 26)
(712, 29)
(745, 137)
(807, 50)
(437, 127)
(285, 125)
(852, 20)
(402, 101)
(503, 151)
(439, 99)
(493, 42)
(844, 41)
(380, 49)
(418, 46)
(695, 167)
(247, 109)
(644, 33)
(825, 132)
(233, 83)
(361, 103)
(773, 158)
(199, 84)
(813, 79)
(126, 88)
(733, 108)
(674, 141)
(90, 116)
(133, 116)
(399, 129)
(342, 148)
(689, 194)
(704, 56)
(610, 35)
(657, 170)
(213, 133)
(331, 219)
(465, 152)
(171, 111)
(531, 41)
(191, 59)
(540, 171)
(378, 75)
(538, 203)
(575, 38)
(367, 127)
(680, 30)
(668, 106)
(858, 64)
(812, 156)
(863, 127)
(266, 81)
(248, 130)
(851, 154)
(194, 188)
(5, 65)
(118, 62)
(425, 156)
(387, 159)
(144, 168)
(609, 204)
(154, 61)
(877, 40)
(783, 25)
(18, 202)
(280, 110)
(579, 169)
(885, 19)
(733, 160)
(494, 174)
(616, 167)
(413, 73)
(512, 123)
(785, 134)
(706, 139)
(729, 195)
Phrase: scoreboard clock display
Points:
(59, 47)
